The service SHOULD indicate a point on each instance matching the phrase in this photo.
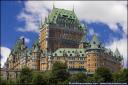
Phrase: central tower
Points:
(61, 29)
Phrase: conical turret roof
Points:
(95, 43)
(117, 53)
(95, 39)
(36, 47)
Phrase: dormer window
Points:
(89, 45)
(82, 54)
(94, 42)
(70, 54)
(99, 46)
(55, 54)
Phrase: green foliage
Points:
(10, 82)
(98, 78)
(79, 77)
(121, 76)
(104, 73)
(38, 79)
(47, 77)
(59, 76)
(124, 76)
(90, 79)
(25, 76)
(2, 82)
(116, 77)
(7, 82)
(59, 73)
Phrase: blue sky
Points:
(21, 19)
(9, 24)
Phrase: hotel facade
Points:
(63, 38)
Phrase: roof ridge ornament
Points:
(73, 8)
(117, 53)
(53, 5)
(95, 38)
(40, 26)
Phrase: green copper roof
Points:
(69, 52)
(28, 52)
(62, 16)
(118, 55)
(95, 39)
(95, 43)
(117, 52)
(17, 47)
(60, 13)
(36, 47)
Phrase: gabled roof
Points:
(17, 47)
(70, 52)
(118, 55)
(95, 39)
(61, 13)
(83, 38)
(68, 17)
(29, 52)
(36, 47)
(95, 43)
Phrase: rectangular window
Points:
(88, 64)
(95, 64)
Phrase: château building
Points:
(62, 38)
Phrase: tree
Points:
(25, 76)
(104, 73)
(116, 77)
(90, 79)
(2, 82)
(97, 78)
(47, 77)
(79, 77)
(124, 76)
(121, 76)
(38, 79)
(59, 73)
(10, 82)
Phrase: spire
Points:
(36, 47)
(95, 39)
(53, 5)
(117, 53)
(73, 8)
(83, 38)
(41, 23)
(95, 43)
(45, 19)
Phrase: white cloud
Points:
(4, 54)
(27, 40)
(109, 12)
(92, 32)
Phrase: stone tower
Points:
(61, 29)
